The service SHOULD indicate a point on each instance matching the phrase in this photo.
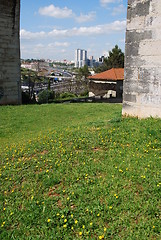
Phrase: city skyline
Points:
(53, 29)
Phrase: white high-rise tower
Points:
(80, 58)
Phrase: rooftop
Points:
(114, 74)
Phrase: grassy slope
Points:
(73, 171)
(25, 122)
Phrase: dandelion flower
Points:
(101, 237)
(49, 220)
(80, 233)
(3, 224)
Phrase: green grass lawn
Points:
(78, 171)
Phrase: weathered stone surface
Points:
(10, 91)
(142, 84)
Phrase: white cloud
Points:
(53, 11)
(87, 31)
(82, 31)
(62, 44)
(105, 2)
(30, 35)
(56, 12)
(44, 50)
(120, 9)
(85, 17)
(39, 45)
(63, 50)
(59, 44)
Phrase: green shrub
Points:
(46, 96)
(84, 94)
(67, 95)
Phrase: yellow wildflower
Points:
(3, 224)
(101, 237)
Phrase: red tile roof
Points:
(112, 74)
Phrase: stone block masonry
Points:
(142, 84)
(10, 89)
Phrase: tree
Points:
(81, 79)
(84, 72)
(114, 60)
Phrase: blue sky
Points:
(54, 29)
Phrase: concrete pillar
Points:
(10, 89)
(142, 84)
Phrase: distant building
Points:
(101, 59)
(80, 58)
(91, 62)
(107, 84)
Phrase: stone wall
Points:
(142, 84)
(10, 91)
(98, 88)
